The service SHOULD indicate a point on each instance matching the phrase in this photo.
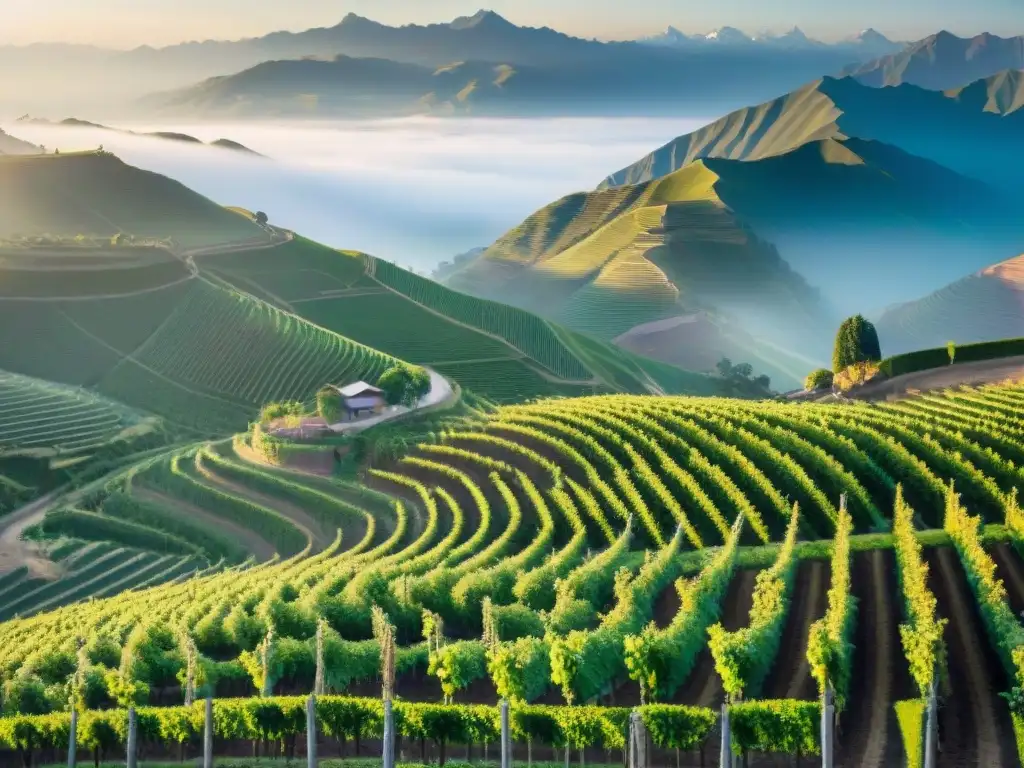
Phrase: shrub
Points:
(855, 375)
(272, 411)
(328, 404)
(786, 726)
(404, 384)
(818, 379)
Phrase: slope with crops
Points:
(475, 544)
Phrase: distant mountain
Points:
(862, 47)
(1002, 93)
(74, 122)
(384, 87)
(693, 79)
(985, 306)
(863, 222)
(957, 132)
(943, 61)
(10, 145)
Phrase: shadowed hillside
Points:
(96, 194)
(958, 133)
(862, 222)
(11, 145)
(1002, 93)
(986, 306)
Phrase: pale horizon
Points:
(125, 25)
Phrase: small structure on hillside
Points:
(360, 400)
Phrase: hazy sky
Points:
(127, 23)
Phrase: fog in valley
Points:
(415, 191)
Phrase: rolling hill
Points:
(943, 61)
(74, 122)
(11, 145)
(782, 244)
(94, 194)
(956, 132)
(211, 316)
(985, 306)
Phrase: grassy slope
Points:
(496, 350)
(95, 193)
(985, 306)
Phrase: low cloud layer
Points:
(415, 191)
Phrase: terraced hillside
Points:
(985, 306)
(494, 349)
(160, 339)
(540, 507)
(96, 194)
(48, 430)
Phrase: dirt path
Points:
(260, 547)
(666, 606)
(1010, 569)
(868, 735)
(704, 688)
(14, 552)
(974, 723)
(790, 677)
(314, 531)
(981, 372)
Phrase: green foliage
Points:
(676, 727)
(272, 411)
(520, 669)
(910, 715)
(404, 384)
(830, 646)
(328, 404)
(584, 663)
(661, 660)
(856, 342)
(785, 725)
(921, 634)
(951, 351)
(820, 378)
(925, 359)
(458, 664)
(743, 658)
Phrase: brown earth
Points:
(974, 722)
(868, 734)
(790, 676)
(1010, 569)
(981, 372)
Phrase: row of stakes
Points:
(637, 746)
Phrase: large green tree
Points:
(856, 342)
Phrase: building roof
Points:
(358, 388)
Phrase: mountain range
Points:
(687, 79)
(760, 231)
(863, 46)
(943, 61)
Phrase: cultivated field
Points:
(610, 550)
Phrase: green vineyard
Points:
(577, 557)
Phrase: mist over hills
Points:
(11, 145)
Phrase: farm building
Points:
(360, 399)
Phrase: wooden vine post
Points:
(208, 734)
(725, 756)
(267, 659)
(637, 741)
(384, 633)
(311, 761)
(318, 681)
(931, 732)
(828, 725)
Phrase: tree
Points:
(951, 351)
(856, 342)
(261, 218)
(404, 384)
